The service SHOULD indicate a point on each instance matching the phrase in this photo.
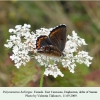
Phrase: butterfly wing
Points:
(58, 37)
(44, 46)
(42, 41)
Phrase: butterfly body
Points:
(54, 43)
(50, 50)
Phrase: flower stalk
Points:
(42, 77)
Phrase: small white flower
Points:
(43, 31)
(18, 27)
(53, 70)
(9, 45)
(83, 42)
(12, 31)
(83, 57)
(26, 26)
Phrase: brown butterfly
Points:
(54, 43)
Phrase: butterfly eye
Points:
(48, 48)
(45, 48)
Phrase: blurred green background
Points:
(83, 17)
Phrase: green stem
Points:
(42, 76)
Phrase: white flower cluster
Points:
(71, 47)
(22, 42)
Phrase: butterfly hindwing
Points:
(42, 41)
(58, 37)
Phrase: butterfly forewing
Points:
(58, 37)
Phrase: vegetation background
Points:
(81, 16)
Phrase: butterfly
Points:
(54, 43)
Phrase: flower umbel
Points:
(23, 41)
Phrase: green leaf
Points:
(25, 74)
